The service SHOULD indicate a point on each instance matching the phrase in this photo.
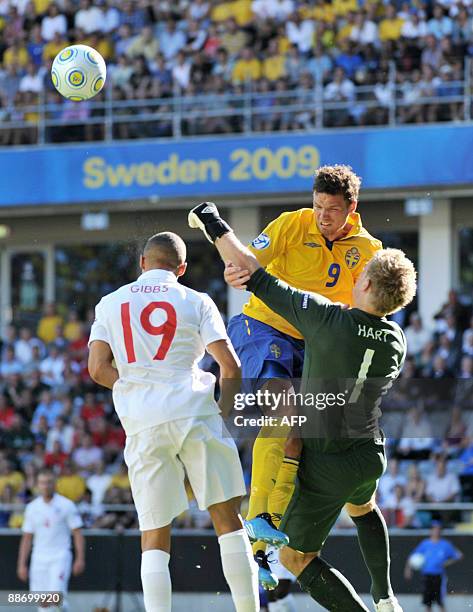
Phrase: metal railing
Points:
(247, 112)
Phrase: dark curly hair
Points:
(336, 180)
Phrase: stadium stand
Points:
(236, 65)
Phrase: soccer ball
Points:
(416, 561)
(78, 72)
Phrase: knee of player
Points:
(355, 510)
(294, 560)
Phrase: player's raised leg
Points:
(268, 458)
(374, 544)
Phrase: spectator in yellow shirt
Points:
(343, 7)
(284, 44)
(41, 6)
(241, 10)
(221, 12)
(70, 484)
(345, 31)
(233, 39)
(10, 477)
(321, 11)
(16, 55)
(145, 43)
(247, 68)
(73, 327)
(52, 48)
(274, 63)
(391, 26)
(48, 324)
(104, 46)
(120, 480)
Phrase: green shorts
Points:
(325, 483)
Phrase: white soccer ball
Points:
(78, 72)
(416, 561)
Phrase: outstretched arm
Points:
(303, 310)
(206, 217)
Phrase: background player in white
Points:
(49, 521)
(156, 330)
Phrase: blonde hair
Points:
(393, 280)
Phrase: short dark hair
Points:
(166, 249)
(338, 180)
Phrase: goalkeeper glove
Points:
(206, 217)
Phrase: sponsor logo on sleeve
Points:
(305, 301)
(261, 242)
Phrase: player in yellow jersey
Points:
(323, 250)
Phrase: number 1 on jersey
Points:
(167, 329)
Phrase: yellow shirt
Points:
(343, 7)
(103, 46)
(47, 328)
(320, 12)
(119, 480)
(273, 67)
(72, 331)
(41, 6)
(51, 49)
(241, 10)
(284, 44)
(19, 57)
(292, 248)
(390, 29)
(15, 480)
(221, 12)
(16, 520)
(73, 486)
(344, 32)
(246, 70)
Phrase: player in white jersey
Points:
(157, 330)
(49, 521)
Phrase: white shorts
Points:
(50, 573)
(156, 459)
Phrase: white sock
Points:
(240, 570)
(283, 605)
(156, 580)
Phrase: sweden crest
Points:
(275, 350)
(352, 257)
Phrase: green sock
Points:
(374, 543)
(329, 587)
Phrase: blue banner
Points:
(202, 168)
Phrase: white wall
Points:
(435, 259)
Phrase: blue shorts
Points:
(264, 352)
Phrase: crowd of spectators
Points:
(52, 414)
(155, 50)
